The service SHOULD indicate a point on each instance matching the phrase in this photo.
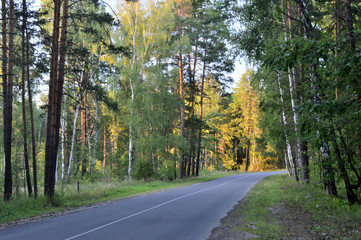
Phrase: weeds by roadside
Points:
(279, 208)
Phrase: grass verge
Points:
(67, 196)
(279, 208)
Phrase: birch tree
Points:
(145, 26)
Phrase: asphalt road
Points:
(183, 213)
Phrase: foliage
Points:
(308, 52)
(143, 170)
(121, 72)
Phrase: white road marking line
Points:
(149, 209)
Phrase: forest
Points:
(144, 91)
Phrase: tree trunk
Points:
(104, 149)
(192, 72)
(72, 144)
(247, 155)
(83, 114)
(33, 143)
(62, 122)
(130, 153)
(7, 151)
(55, 97)
(234, 150)
(200, 119)
(181, 95)
(305, 171)
(8, 101)
(349, 24)
(288, 145)
(328, 173)
(25, 138)
(89, 142)
(351, 196)
(131, 148)
(95, 131)
(287, 165)
(56, 168)
(50, 142)
(83, 140)
(301, 156)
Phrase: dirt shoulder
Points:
(295, 221)
(277, 208)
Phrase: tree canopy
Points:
(144, 91)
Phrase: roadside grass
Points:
(279, 208)
(67, 196)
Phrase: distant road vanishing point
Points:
(184, 213)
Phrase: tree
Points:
(57, 67)
(23, 77)
(8, 75)
(311, 49)
(147, 31)
(245, 107)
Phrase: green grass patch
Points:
(67, 196)
(279, 208)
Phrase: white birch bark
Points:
(288, 145)
(95, 132)
(130, 153)
(104, 149)
(287, 165)
(72, 143)
(56, 168)
(293, 106)
(62, 122)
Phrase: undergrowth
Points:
(260, 213)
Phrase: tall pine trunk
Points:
(349, 24)
(8, 98)
(50, 142)
(25, 138)
(55, 96)
(83, 115)
(200, 119)
(33, 142)
(7, 163)
(181, 96)
(247, 151)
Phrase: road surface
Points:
(183, 213)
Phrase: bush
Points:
(167, 171)
(143, 170)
